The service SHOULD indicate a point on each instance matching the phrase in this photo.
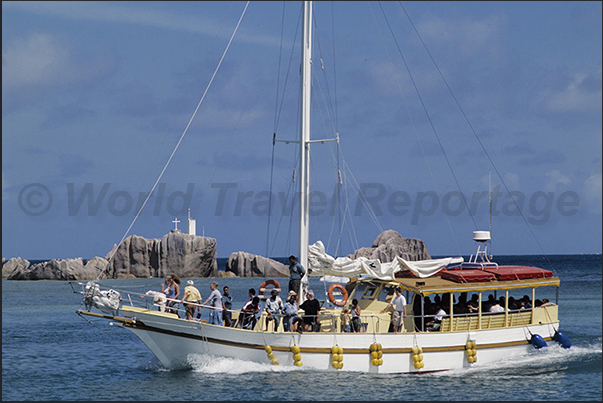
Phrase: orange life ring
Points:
(263, 288)
(343, 291)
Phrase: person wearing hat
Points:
(289, 310)
(191, 298)
(273, 308)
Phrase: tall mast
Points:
(304, 143)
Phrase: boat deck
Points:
(333, 321)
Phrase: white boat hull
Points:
(174, 341)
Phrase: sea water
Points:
(51, 353)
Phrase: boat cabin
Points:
(451, 289)
(454, 287)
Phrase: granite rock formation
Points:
(245, 264)
(182, 254)
(55, 269)
(390, 244)
(9, 266)
(96, 267)
(189, 256)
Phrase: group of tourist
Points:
(435, 311)
(220, 304)
(276, 311)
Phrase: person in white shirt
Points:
(273, 307)
(399, 304)
(435, 324)
(290, 311)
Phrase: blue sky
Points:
(96, 95)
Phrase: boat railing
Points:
(336, 322)
(376, 323)
(487, 320)
(478, 265)
(474, 321)
(328, 322)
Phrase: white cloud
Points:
(37, 60)
(582, 93)
(592, 191)
(512, 181)
(555, 178)
(464, 35)
(136, 15)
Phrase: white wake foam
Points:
(552, 356)
(232, 366)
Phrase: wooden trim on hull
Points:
(100, 315)
(138, 324)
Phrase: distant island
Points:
(188, 256)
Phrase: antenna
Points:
(490, 203)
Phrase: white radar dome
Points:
(481, 236)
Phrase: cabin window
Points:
(369, 293)
(358, 292)
(547, 294)
(386, 292)
(519, 299)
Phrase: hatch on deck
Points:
(467, 276)
(518, 272)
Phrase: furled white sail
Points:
(322, 264)
(107, 301)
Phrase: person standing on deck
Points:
(215, 314)
(191, 298)
(355, 323)
(227, 307)
(296, 272)
(311, 308)
(172, 293)
(399, 304)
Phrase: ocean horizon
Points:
(285, 259)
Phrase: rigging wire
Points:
(112, 253)
(288, 240)
(414, 125)
(270, 194)
(351, 230)
(168, 134)
(474, 132)
(278, 78)
(336, 117)
(331, 108)
(281, 217)
(347, 216)
(278, 109)
(361, 195)
(329, 104)
(428, 116)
